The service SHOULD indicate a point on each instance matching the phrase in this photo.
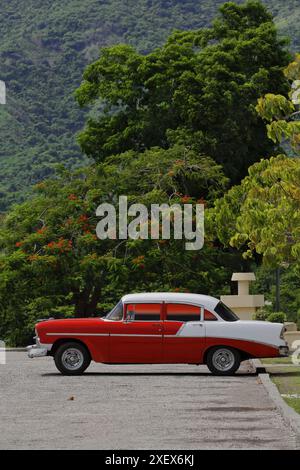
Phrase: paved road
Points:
(135, 407)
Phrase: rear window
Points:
(183, 312)
(225, 313)
(208, 316)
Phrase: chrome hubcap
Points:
(223, 359)
(72, 359)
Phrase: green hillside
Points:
(44, 48)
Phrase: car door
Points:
(138, 337)
(184, 333)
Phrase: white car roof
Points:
(198, 299)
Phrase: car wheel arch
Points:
(243, 354)
(61, 341)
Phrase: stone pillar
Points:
(243, 304)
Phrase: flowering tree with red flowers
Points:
(53, 264)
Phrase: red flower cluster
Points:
(72, 197)
(201, 201)
(33, 257)
(83, 220)
(62, 245)
(181, 289)
(139, 261)
(186, 198)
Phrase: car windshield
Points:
(225, 313)
(116, 313)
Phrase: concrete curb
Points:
(257, 366)
(15, 349)
(290, 416)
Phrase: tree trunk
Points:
(86, 302)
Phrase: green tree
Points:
(262, 214)
(282, 113)
(199, 89)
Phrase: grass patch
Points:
(286, 377)
(284, 371)
(287, 380)
(293, 403)
(277, 360)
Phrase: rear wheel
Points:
(72, 359)
(223, 360)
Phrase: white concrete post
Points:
(243, 304)
(243, 280)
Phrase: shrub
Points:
(261, 314)
(277, 317)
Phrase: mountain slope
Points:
(44, 48)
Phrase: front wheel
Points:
(223, 360)
(72, 359)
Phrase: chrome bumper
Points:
(36, 351)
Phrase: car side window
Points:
(116, 313)
(143, 312)
(183, 312)
(208, 316)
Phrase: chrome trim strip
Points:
(106, 334)
(77, 334)
(244, 339)
(180, 329)
(155, 336)
(177, 335)
(133, 302)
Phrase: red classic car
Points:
(155, 328)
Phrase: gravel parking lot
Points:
(135, 407)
